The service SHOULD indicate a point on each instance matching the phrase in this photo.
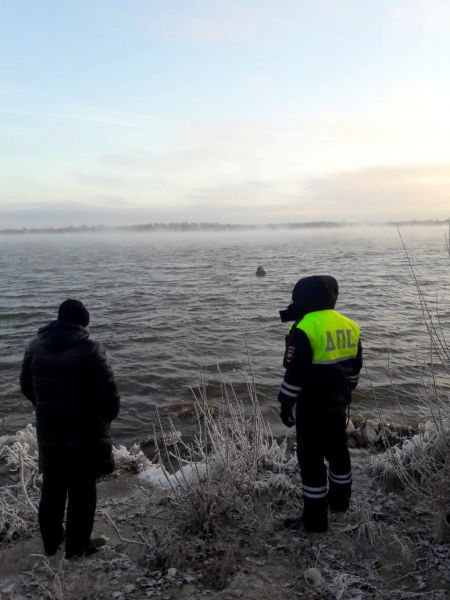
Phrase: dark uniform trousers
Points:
(79, 490)
(321, 434)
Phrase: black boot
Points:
(315, 514)
(339, 495)
(314, 517)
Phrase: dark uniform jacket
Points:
(303, 378)
(69, 380)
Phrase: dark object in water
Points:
(260, 272)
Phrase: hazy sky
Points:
(128, 111)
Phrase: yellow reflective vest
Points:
(333, 337)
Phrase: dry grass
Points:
(420, 464)
(18, 501)
(368, 529)
(216, 483)
(233, 459)
(48, 582)
(172, 552)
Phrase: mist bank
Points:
(185, 226)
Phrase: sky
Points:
(232, 111)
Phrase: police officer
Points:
(323, 359)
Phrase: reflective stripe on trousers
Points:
(315, 492)
(340, 479)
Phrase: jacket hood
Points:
(318, 292)
(57, 336)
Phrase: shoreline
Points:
(189, 538)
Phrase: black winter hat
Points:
(73, 311)
(317, 292)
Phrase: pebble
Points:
(313, 577)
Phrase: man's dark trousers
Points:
(79, 490)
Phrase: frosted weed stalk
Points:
(232, 459)
(18, 500)
(368, 529)
(48, 582)
(421, 464)
(215, 482)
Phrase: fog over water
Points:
(167, 306)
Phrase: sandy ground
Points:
(388, 545)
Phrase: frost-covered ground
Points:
(204, 518)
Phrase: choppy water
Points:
(167, 305)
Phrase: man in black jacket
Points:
(69, 381)
(323, 359)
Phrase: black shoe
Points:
(93, 546)
(52, 550)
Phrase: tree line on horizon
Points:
(189, 226)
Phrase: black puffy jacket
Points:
(70, 382)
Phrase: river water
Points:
(169, 308)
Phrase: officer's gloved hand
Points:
(286, 415)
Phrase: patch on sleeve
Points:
(289, 354)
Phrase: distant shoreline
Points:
(196, 227)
